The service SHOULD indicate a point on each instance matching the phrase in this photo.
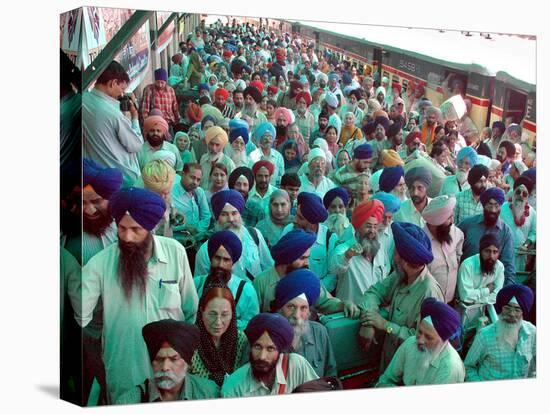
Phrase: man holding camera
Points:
(110, 138)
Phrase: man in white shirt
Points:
(264, 135)
(418, 180)
(314, 180)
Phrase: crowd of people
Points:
(258, 184)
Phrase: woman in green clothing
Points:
(196, 72)
(222, 348)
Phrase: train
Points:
(498, 83)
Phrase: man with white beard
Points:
(252, 98)
(336, 201)
(314, 180)
(294, 295)
(227, 206)
(428, 358)
(522, 220)
(392, 204)
(238, 139)
(359, 262)
(465, 160)
(392, 181)
(506, 349)
(170, 345)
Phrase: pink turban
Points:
(285, 112)
(439, 210)
(155, 121)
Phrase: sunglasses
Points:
(521, 192)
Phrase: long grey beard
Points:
(337, 223)
(237, 230)
(370, 247)
(423, 361)
(518, 208)
(301, 327)
(239, 158)
(508, 333)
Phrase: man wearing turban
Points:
(293, 252)
(310, 215)
(264, 136)
(428, 358)
(468, 200)
(294, 295)
(257, 203)
(506, 349)
(522, 220)
(447, 240)
(155, 130)
(170, 345)
(404, 290)
(160, 95)
(314, 180)
(465, 160)
(418, 181)
(239, 139)
(270, 337)
(241, 180)
(336, 202)
(221, 95)
(224, 250)
(352, 174)
(392, 181)
(216, 139)
(252, 98)
(498, 129)
(141, 278)
(361, 261)
(304, 118)
(227, 207)
(489, 221)
(481, 276)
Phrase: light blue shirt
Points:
(195, 209)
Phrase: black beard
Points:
(477, 191)
(217, 274)
(487, 266)
(490, 219)
(154, 140)
(97, 225)
(261, 370)
(290, 268)
(281, 130)
(417, 200)
(442, 234)
(132, 266)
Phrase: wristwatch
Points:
(389, 329)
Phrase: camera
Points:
(125, 103)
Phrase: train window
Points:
(514, 105)
(454, 83)
(395, 79)
(405, 85)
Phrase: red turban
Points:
(258, 85)
(194, 112)
(397, 86)
(412, 136)
(263, 163)
(366, 210)
(155, 120)
(227, 53)
(272, 89)
(305, 95)
(221, 92)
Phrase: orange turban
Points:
(194, 112)
(366, 210)
(390, 158)
(155, 121)
(216, 132)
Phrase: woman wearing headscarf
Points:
(183, 142)
(331, 136)
(217, 180)
(222, 348)
(350, 131)
(196, 73)
(272, 226)
(291, 156)
(342, 158)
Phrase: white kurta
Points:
(170, 293)
(520, 234)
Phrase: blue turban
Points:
(522, 293)
(312, 208)
(277, 326)
(238, 132)
(421, 174)
(161, 74)
(390, 178)
(382, 120)
(362, 152)
(292, 246)
(336, 192)
(294, 284)
(531, 173)
(104, 181)
(446, 320)
(467, 152)
(206, 119)
(238, 123)
(227, 239)
(392, 204)
(203, 86)
(144, 206)
(489, 239)
(492, 193)
(346, 78)
(223, 197)
(262, 128)
(333, 76)
(412, 243)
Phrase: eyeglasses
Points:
(521, 192)
(213, 317)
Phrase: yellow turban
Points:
(391, 158)
(155, 120)
(158, 175)
(218, 133)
